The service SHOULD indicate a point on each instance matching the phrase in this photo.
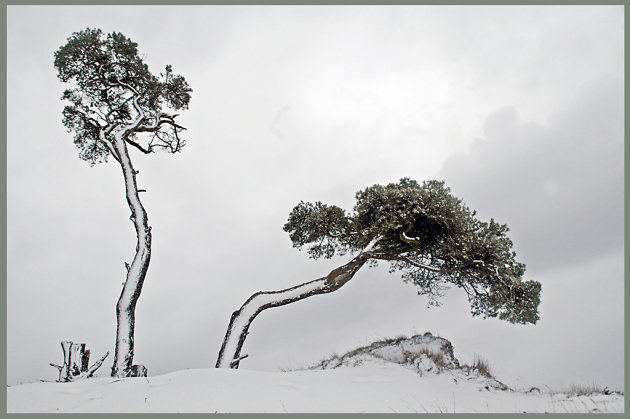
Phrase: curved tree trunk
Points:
(136, 272)
(230, 353)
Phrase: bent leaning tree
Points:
(115, 102)
(419, 229)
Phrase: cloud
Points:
(559, 185)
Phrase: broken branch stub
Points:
(76, 359)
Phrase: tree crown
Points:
(431, 237)
(114, 93)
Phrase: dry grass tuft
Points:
(483, 366)
(585, 389)
(438, 358)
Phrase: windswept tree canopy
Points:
(114, 93)
(431, 237)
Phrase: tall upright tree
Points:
(114, 102)
(419, 229)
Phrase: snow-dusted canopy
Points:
(429, 235)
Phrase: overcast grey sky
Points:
(519, 109)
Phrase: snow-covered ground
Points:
(402, 375)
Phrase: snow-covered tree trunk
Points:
(115, 102)
(136, 271)
(230, 353)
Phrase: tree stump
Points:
(76, 359)
(138, 371)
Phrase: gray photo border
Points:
(3, 157)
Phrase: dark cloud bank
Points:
(559, 186)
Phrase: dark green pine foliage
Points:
(110, 87)
(432, 238)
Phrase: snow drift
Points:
(423, 354)
(415, 375)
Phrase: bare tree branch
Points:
(97, 365)
(138, 146)
(411, 240)
(419, 265)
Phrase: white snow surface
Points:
(386, 377)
